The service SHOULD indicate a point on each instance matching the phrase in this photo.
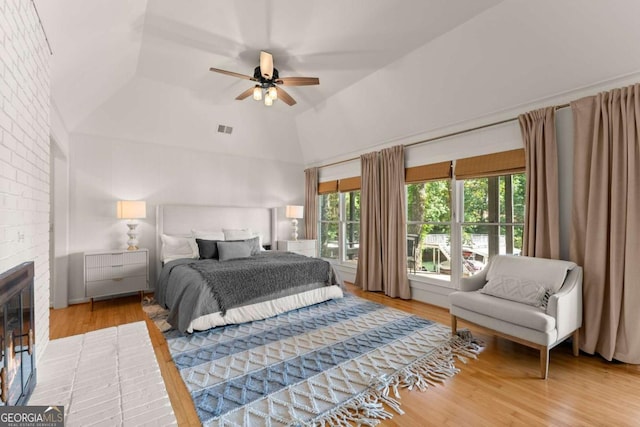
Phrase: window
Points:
(493, 223)
(329, 224)
(351, 222)
(429, 228)
(339, 225)
(455, 223)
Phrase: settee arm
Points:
(475, 282)
(566, 305)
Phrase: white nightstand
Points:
(108, 273)
(302, 247)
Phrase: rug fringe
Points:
(367, 408)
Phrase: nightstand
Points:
(302, 247)
(109, 273)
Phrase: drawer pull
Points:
(117, 266)
(118, 279)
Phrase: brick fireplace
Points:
(17, 346)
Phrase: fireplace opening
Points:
(17, 332)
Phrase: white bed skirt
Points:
(266, 309)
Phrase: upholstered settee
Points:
(532, 301)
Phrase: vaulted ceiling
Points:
(139, 69)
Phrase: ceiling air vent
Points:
(225, 129)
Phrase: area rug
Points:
(334, 363)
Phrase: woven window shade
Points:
(504, 163)
(427, 172)
(328, 187)
(349, 184)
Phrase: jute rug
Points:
(334, 363)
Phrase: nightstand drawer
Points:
(116, 272)
(302, 247)
(102, 288)
(115, 259)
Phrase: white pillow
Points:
(176, 247)
(526, 291)
(237, 233)
(207, 235)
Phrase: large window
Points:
(339, 225)
(493, 220)
(429, 228)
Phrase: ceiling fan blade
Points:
(245, 94)
(298, 81)
(232, 74)
(266, 65)
(285, 97)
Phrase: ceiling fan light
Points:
(268, 101)
(257, 93)
(273, 93)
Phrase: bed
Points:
(237, 280)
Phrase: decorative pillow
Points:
(207, 235)
(550, 273)
(208, 248)
(254, 244)
(176, 247)
(232, 250)
(526, 291)
(237, 233)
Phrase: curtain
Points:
(606, 220)
(311, 203)
(393, 223)
(369, 271)
(542, 224)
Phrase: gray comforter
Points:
(193, 288)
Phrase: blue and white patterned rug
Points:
(333, 363)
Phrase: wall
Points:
(103, 170)
(514, 56)
(24, 151)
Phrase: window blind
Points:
(349, 184)
(328, 187)
(430, 172)
(503, 163)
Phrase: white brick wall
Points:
(24, 151)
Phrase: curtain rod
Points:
(435, 138)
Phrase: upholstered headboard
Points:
(179, 220)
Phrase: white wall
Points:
(24, 151)
(104, 170)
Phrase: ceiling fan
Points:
(268, 78)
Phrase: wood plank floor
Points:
(502, 387)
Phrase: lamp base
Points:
(133, 236)
(294, 225)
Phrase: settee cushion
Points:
(510, 312)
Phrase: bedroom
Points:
(134, 110)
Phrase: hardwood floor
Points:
(502, 387)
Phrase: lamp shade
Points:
(131, 209)
(294, 211)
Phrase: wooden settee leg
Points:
(454, 324)
(576, 342)
(544, 362)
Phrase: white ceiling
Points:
(389, 69)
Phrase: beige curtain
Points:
(311, 203)
(393, 223)
(369, 272)
(606, 220)
(542, 224)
